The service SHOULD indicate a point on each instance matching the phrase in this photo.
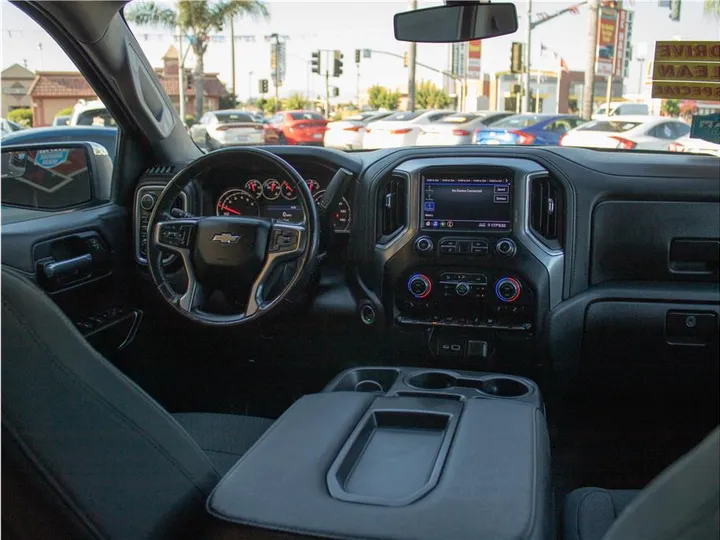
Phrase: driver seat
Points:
(85, 452)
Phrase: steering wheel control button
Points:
(424, 244)
(175, 235)
(462, 289)
(507, 289)
(419, 285)
(367, 314)
(147, 201)
(506, 248)
(284, 240)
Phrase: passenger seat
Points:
(683, 502)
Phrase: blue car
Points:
(103, 136)
(528, 129)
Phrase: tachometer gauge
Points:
(341, 215)
(271, 189)
(237, 202)
(254, 188)
(289, 192)
(314, 186)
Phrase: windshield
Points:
(283, 62)
(232, 117)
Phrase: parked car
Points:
(7, 127)
(528, 129)
(400, 128)
(694, 146)
(106, 137)
(628, 133)
(348, 134)
(297, 127)
(217, 129)
(61, 121)
(458, 128)
(621, 108)
(91, 113)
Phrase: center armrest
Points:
(357, 465)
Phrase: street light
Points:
(250, 74)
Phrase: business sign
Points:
(277, 62)
(706, 127)
(607, 38)
(459, 59)
(622, 43)
(686, 70)
(474, 59)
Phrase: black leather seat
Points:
(683, 502)
(87, 453)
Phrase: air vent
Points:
(160, 170)
(547, 209)
(393, 214)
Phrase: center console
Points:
(398, 453)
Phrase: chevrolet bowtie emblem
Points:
(226, 238)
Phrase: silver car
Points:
(218, 129)
(458, 128)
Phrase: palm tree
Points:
(712, 7)
(195, 19)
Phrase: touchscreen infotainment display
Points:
(467, 203)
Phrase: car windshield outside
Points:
(279, 63)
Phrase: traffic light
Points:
(337, 63)
(675, 9)
(405, 60)
(189, 81)
(357, 56)
(263, 86)
(315, 62)
(335, 91)
(516, 58)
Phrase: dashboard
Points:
(501, 254)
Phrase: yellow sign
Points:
(686, 71)
(688, 51)
(686, 90)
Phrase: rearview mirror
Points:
(55, 176)
(449, 24)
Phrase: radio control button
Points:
(424, 244)
(462, 289)
(506, 248)
(507, 289)
(419, 285)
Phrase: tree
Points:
(295, 102)
(269, 106)
(67, 111)
(24, 117)
(376, 96)
(429, 96)
(688, 108)
(712, 7)
(196, 20)
(671, 107)
(391, 100)
(228, 101)
(260, 103)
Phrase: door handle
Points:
(67, 267)
(692, 256)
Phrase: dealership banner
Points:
(607, 38)
(686, 70)
(474, 62)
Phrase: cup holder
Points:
(369, 386)
(504, 387)
(432, 380)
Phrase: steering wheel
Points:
(231, 250)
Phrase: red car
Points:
(296, 127)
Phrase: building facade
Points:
(16, 81)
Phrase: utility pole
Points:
(232, 56)
(327, 85)
(181, 76)
(589, 88)
(412, 51)
(526, 99)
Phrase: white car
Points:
(399, 129)
(91, 113)
(694, 146)
(218, 129)
(627, 133)
(458, 128)
(621, 108)
(348, 134)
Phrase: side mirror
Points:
(55, 176)
(452, 23)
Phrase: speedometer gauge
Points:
(237, 202)
(341, 215)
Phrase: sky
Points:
(347, 25)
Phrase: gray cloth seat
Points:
(85, 452)
(223, 437)
(683, 502)
(590, 512)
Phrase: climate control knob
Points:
(424, 244)
(505, 247)
(419, 285)
(508, 289)
(462, 289)
(147, 201)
